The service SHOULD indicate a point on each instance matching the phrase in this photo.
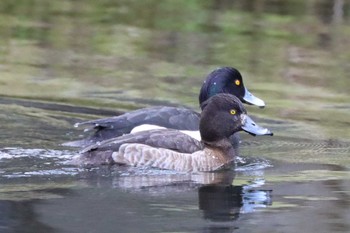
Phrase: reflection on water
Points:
(225, 203)
(63, 62)
(223, 200)
(20, 217)
(220, 200)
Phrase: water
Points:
(62, 62)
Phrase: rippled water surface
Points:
(62, 62)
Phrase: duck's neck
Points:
(222, 148)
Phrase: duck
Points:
(221, 80)
(223, 115)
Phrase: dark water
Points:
(62, 62)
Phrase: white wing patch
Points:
(192, 133)
(145, 127)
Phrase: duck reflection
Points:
(43, 207)
(220, 202)
(218, 198)
(19, 216)
(227, 202)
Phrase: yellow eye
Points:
(233, 112)
(237, 82)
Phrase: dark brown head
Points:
(224, 115)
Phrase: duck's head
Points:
(227, 80)
(224, 115)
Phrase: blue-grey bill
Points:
(249, 126)
(251, 99)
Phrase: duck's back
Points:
(168, 117)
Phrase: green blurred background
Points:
(127, 54)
